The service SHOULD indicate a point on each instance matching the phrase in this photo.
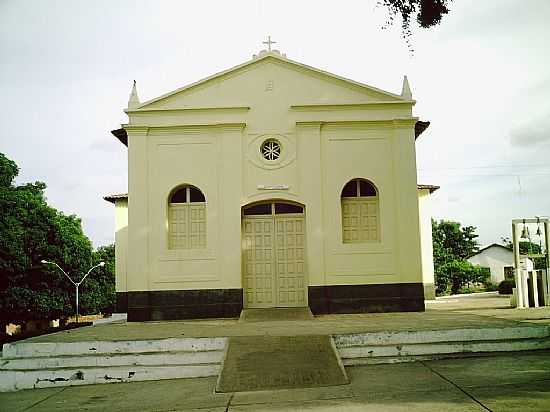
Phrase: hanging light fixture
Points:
(524, 232)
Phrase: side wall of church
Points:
(121, 252)
(426, 245)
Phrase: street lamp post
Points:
(76, 284)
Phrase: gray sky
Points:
(482, 78)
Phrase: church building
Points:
(272, 184)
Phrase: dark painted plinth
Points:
(396, 297)
(121, 302)
(182, 304)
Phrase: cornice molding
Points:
(187, 110)
(349, 106)
(398, 122)
(316, 124)
(198, 127)
(135, 129)
(405, 121)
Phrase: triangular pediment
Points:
(248, 83)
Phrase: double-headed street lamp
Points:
(77, 284)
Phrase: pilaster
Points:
(230, 190)
(138, 206)
(312, 182)
(408, 252)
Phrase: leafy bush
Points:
(505, 287)
(491, 287)
(456, 274)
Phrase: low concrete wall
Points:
(28, 365)
(390, 347)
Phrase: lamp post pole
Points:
(76, 284)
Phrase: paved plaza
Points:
(459, 312)
(507, 382)
(512, 381)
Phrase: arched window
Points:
(360, 212)
(187, 219)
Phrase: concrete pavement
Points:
(485, 311)
(508, 382)
(153, 350)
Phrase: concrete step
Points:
(389, 347)
(135, 359)
(27, 365)
(13, 380)
(46, 349)
(447, 335)
(418, 358)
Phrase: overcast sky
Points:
(482, 79)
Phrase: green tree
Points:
(452, 245)
(527, 247)
(452, 241)
(98, 290)
(31, 231)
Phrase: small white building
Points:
(499, 259)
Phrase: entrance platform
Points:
(122, 352)
(279, 362)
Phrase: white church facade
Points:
(272, 184)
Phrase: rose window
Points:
(271, 149)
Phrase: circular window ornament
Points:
(270, 149)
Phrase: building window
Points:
(270, 149)
(360, 212)
(187, 219)
(509, 273)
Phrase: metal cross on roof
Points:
(269, 43)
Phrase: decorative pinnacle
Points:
(133, 101)
(406, 89)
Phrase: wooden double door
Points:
(274, 255)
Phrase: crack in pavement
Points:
(469, 395)
(229, 402)
(44, 399)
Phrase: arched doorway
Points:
(274, 255)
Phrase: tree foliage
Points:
(98, 291)
(455, 274)
(31, 231)
(451, 241)
(527, 247)
(427, 13)
(452, 245)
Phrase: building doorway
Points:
(273, 255)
